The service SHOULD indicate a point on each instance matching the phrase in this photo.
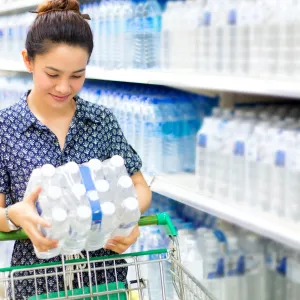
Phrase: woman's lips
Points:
(60, 98)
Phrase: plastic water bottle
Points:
(99, 234)
(147, 34)
(156, 143)
(254, 285)
(234, 266)
(292, 175)
(104, 192)
(102, 51)
(293, 270)
(212, 151)
(171, 132)
(253, 146)
(80, 220)
(48, 175)
(224, 156)
(126, 40)
(72, 173)
(238, 164)
(130, 215)
(204, 140)
(125, 189)
(95, 165)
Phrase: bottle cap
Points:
(125, 182)
(55, 192)
(102, 186)
(48, 170)
(78, 190)
(108, 208)
(95, 164)
(72, 168)
(130, 204)
(117, 161)
(93, 195)
(84, 212)
(59, 214)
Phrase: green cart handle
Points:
(162, 219)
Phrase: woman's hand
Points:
(24, 214)
(121, 244)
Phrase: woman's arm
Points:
(144, 193)
(3, 223)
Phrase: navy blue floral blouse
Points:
(25, 144)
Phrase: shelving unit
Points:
(18, 6)
(182, 188)
(254, 86)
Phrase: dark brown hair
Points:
(59, 22)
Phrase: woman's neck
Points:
(45, 113)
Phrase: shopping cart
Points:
(169, 278)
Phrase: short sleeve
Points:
(4, 177)
(119, 146)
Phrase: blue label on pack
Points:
(202, 142)
(126, 226)
(280, 158)
(232, 16)
(239, 148)
(207, 18)
(89, 186)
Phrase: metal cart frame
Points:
(61, 275)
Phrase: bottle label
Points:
(280, 158)
(139, 25)
(127, 226)
(232, 17)
(202, 141)
(89, 186)
(207, 18)
(128, 25)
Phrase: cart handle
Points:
(162, 219)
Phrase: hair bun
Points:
(58, 5)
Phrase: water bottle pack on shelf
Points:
(231, 262)
(160, 123)
(85, 204)
(251, 158)
(235, 37)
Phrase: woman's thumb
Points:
(32, 197)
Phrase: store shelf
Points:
(182, 188)
(282, 88)
(18, 6)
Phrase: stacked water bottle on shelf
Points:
(105, 204)
(232, 263)
(234, 37)
(13, 32)
(250, 157)
(12, 88)
(160, 123)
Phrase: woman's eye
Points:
(52, 76)
(76, 77)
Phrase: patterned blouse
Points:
(25, 144)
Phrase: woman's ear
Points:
(27, 61)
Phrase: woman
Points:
(50, 124)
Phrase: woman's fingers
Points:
(40, 242)
(32, 197)
(40, 221)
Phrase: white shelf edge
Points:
(260, 223)
(8, 8)
(259, 86)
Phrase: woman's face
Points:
(58, 75)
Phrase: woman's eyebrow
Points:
(56, 70)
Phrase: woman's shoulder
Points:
(94, 111)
